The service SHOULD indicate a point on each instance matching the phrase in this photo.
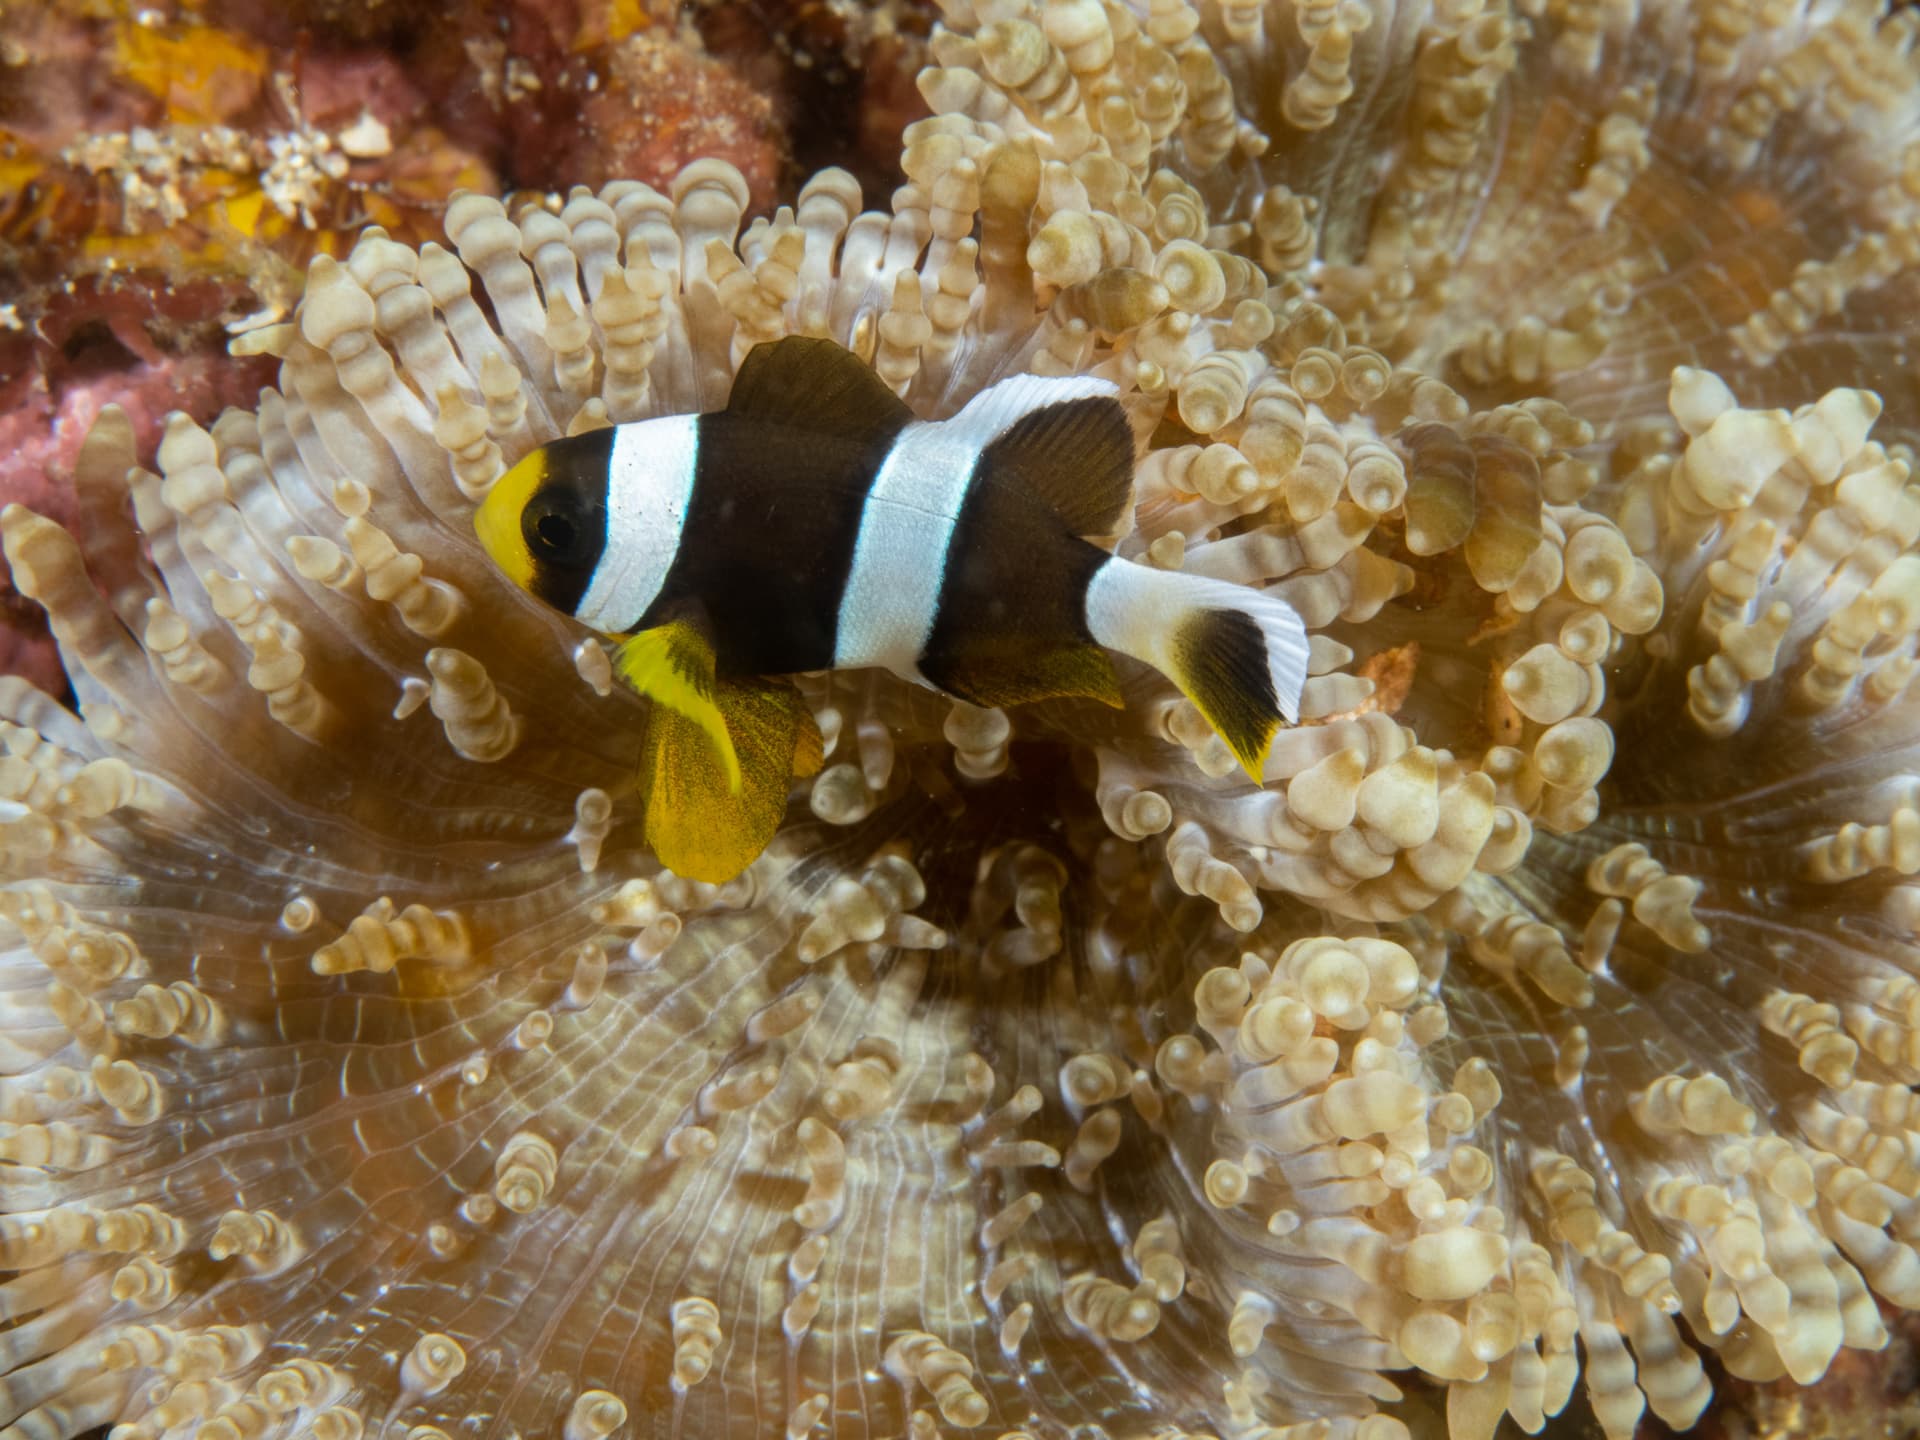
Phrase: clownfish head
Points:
(544, 522)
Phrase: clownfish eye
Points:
(551, 529)
(555, 531)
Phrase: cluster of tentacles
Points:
(1552, 1008)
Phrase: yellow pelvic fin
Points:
(700, 824)
(1069, 672)
(672, 665)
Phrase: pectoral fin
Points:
(700, 823)
(672, 665)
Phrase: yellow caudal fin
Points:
(699, 822)
(672, 665)
(1218, 658)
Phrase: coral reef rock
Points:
(1550, 1016)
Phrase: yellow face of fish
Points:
(544, 523)
(497, 521)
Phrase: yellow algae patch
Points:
(206, 75)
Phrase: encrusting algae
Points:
(1551, 1012)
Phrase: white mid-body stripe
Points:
(900, 554)
(906, 528)
(649, 481)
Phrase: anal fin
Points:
(1068, 672)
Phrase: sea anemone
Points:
(1554, 1003)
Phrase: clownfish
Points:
(816, 523)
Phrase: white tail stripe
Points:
(1135, 610)
(649, 483)
(1117, 618)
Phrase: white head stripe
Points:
(900, 555)
(649, 481)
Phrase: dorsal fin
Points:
(994, 410)
(816, 385)
(1076, 456)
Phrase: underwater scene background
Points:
(1534, 1049)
